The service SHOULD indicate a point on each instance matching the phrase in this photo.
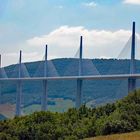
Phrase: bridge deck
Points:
(92, 77)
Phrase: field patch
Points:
(7, 110)
(126, 136)
(61, 105)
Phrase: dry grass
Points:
(7, 110)
(126, 136)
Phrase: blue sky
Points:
(24, 20)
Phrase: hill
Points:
(126, 136)
(94, 92)
(120, 117)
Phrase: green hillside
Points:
(120, 117)
(93, 94)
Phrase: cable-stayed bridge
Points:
(84, 71)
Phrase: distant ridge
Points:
(99, 91)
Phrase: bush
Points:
(4, 136)
(116, 126)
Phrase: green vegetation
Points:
(120, 117)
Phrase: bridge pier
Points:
(19, 88)
(44, 106)
(79, 93)
(132, 81)
(131, 84)
(18, 98)
(79, 81)
(0, 82)
(0, 94)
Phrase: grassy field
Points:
(126, 136)
(60, 106)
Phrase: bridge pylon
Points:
(132, 81)
(79, 81)
(0, 82)
(44, 105)
(19, 88)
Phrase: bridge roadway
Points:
(91, 77)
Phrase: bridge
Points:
(131, 77)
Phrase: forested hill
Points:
(120, 117)
(99, 91)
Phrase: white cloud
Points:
(90, 4)
(14, 57)
(64, 41)
(135, 2)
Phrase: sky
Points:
(29, 25)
